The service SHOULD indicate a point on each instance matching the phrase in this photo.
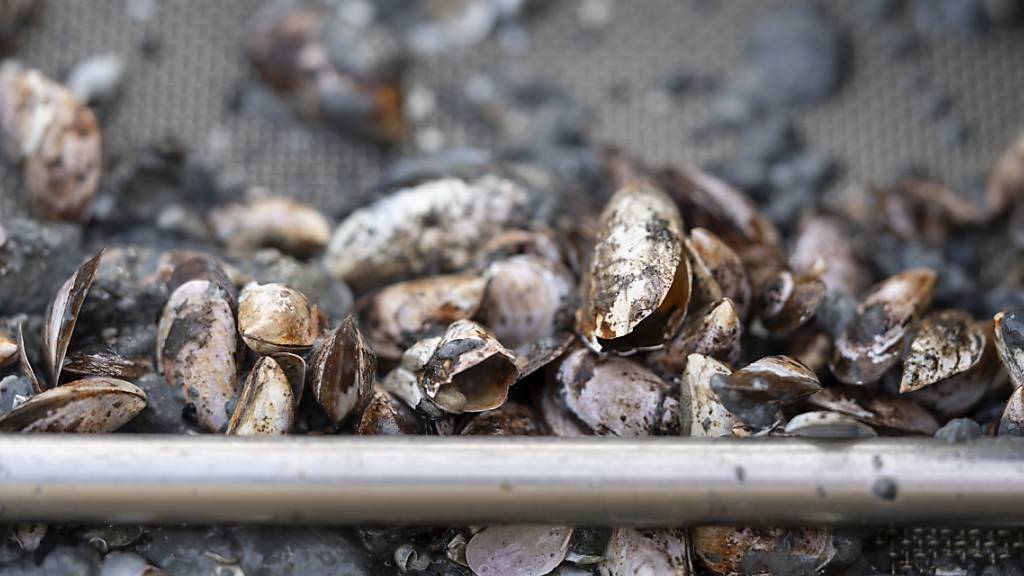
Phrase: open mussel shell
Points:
(528, 298)
(1009, 332)
(106, 364)
(342, 371)
(706, 417)
(717, 270)
(638, 284)
(8, 348)
(196, 350)
(517, 549)
(87, 406)
(266, 406)
(435, 224)
(947, 343)
(783, 301)
(713, 331)
(401, 314)
(873, 341)
(650, 551)
(469, 371)
(1012, 422)
(63, 314)
(776, 379)
(25, 364)
(509, 419)
(385, 415)
(824, 424)
(824, 248)
(277, 222)
(275, 318)
(728, 551)
(533, 356)
(881, 411)
(615, 396)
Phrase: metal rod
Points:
(668, 481)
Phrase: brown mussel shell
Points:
(290, 226)
(385, 415)
(63, 314)
(528, 298)
(509, 419)
(8, 348)
(717, 270)
(728, 551)
(823, 248)
(266, 406)
(1012, 422)
(275, 318)
(106, 364)
(707, 417)
(881, 411)
(470, 371)
(947, 343)
(1009, 336)
(88, 406)
(825, 424)
(713, 331)
(775, 379)
(342, 371)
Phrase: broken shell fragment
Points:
(614, 396)
(436, 224)
(653, 551)
(713, 331)
(727, 551)
(385, 415)
(873, 341)
(63, 314)
(1009, 332)
(398, 316)
(520, 550)
(536, 355)
(527, 299)
(470, 371)
(510, 419)
(266, 405)
(276, 222)
(1012, 422)
(638, 284)
(342, 371)
(88, 406)
(56, 138)
(24, 364)
(824, 424)
(707, 416)
(196, 347)
(275, 318)
(716, 265)
(947, 343)
(8, 348)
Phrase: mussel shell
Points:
(876, 409)
(266, 405)
(1009, 333)
(275, 318)
(106, 364)
(520, 550)
(23, 361)
(401, 314)
(1012, 422)
(385, 415)
(8, 348)
(180, 266)
(614, 396)
(87, 406)
(196, 349)
(533, 356)
(707, 416)
(826, 239)
(435, 224)
(651, 551)
(824, 424)
(470, 371)
(730, 551)
(342, 371)
(775, 379)
(510, 419)
(713, 331)
(63, 314)
(947, 343)
(283, 223)
(554, 415)
(538, 241)
(787, 301)
(527, 299)
(716, 265)
(638, 284)
(873, 341)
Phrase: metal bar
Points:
(667, 481)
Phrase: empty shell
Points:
(1012, 422)
(947, 343)
(342, 371)
(399, 315)
(510, 419)
(651, 551)
(876, 409)
(784, 301)
(63, 314)
(1009, 332)
(825, 241)
(470, 371)
(519, 550)
(57, 139)
(385, 415)
(106, 364)
(718, 271)
(196, 347)
(528, 298)
(731, 551)
(824, 424)
(873, 341)
(436, 224)
(638, 284)
(614, 396)
(283, 223)
(266, 405)
(778, 379)
(275, 318)
(8, 348)
(713, 331)
(88, 406)
(707, 416)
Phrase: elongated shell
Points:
(638, 283)
(707, 416)
(519, 550)
(401, 314)
(784, 300)
(716, 265)
(58, 140)
(1009, 332)
(266, 405)
(825, 241)
(437, 223)
(878, 410)
(510, 419)
(196, 347)
(470, 371)
(342, 371)
(732, 551)
(1012, 422)
(275, 318)
(652, 551)
(824, 424)
(527, 299)
(88, 406)
(873, 341)
(63, 315)
(614, 396)
(778, 379)
(947, 343)
(713, 331)
(385, 415)
(283, 223)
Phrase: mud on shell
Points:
(275, 318)
(88, 406)
(470, 371)
(266, 405)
